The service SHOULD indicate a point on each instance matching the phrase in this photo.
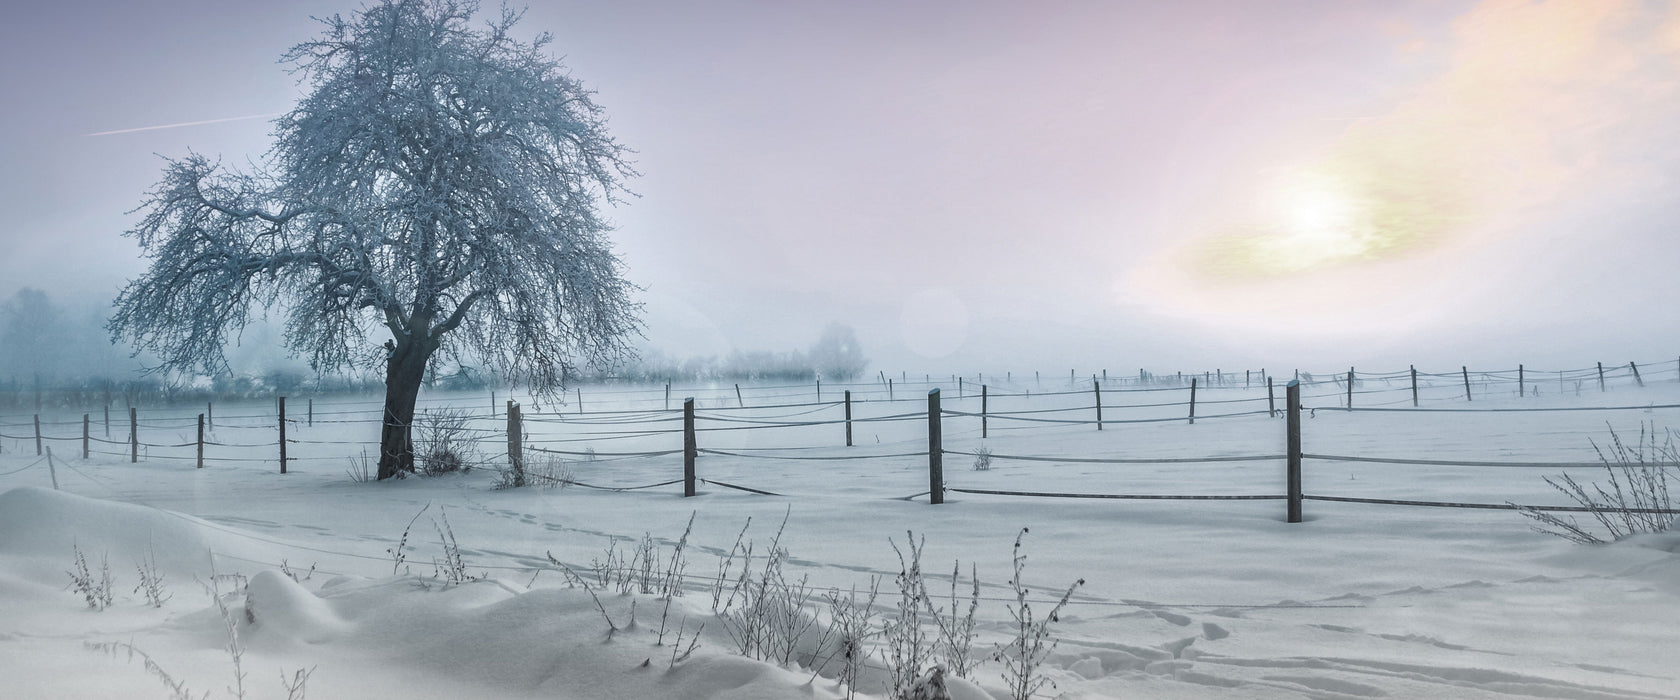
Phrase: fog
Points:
(990, 186)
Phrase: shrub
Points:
(443, 443)
(1635, 499)
(551, 471)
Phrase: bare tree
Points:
(438, 184)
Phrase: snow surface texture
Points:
(1183, 599)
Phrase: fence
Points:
(646, 415)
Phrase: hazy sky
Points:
(983, 186)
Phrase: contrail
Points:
(173, 126)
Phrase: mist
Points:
(999, 188)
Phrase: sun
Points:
(1303, 221)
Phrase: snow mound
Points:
(277, 606)
(39, 527)
(400, 636)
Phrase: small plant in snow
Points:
(178, 689)
(910, 651)
(851, 626)
(151, 582)
(361, 469)
(983, 459)
(286, 568)
(1635, 499)
(956, 632)
(297, 684)
(1023, 657)
(644, 564)
(676, 567)
(720, 584)
(552, 472)
(96, 590)
(612, 571)
(549, 472)
(679, 653)
(397, 556)
(234, 648)
(765, 612)
(452, 568)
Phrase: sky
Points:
(1000, 186)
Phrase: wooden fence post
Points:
(848, 417)
(1414, 387)
(37, 435)
(1098, 388)
(1601, 376)
(1522, 390)
(983, 391)
(85, 421)
(282, 435)
(1294, 444)
(1350, 388)
(580, 400)
(1635, 369)
(516, 443)
(1466, 371)
(492, 403)
(889, 390)
(738, 399)
(667, 395)
(1271, 399)
(51, 469)
(200, 441)
(690, 447)
(1192, 400)
(133, 435)
(311, 412)
(936, 451)
(107, 415)
(209, 415)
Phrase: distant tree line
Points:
(836, 356)
(58, 356)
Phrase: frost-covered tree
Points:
(837, 354)
(31, 336)
(438, 187)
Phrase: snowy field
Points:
(1182, 598)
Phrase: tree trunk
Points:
(404, 373)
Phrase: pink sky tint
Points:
(1038, 167)
(1541, 108)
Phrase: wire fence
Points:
(1018, 407)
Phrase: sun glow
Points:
(1312, 221)
(1306, 220)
